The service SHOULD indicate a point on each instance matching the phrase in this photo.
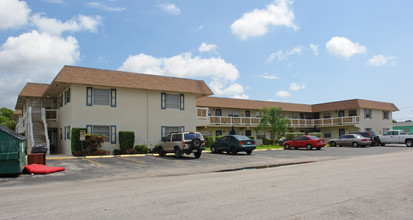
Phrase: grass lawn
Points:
(269, 147)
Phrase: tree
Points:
(6, 118)
(272, 121)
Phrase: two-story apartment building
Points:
(106, 102)
(217, 116)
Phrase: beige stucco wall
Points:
(377, 123)
(136, 110)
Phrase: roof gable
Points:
(33, 90)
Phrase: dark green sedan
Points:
(233, 144)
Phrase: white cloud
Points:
(222, 74)
(57, 27)
(257, 22)
(34, 57)
(200, 27)
(380, 60)
(207, 47)
(343, 47)
(297, 86)
(13, 13)
(315, 49)
(103, 7)
(267, 76)
(170, 8)
(283, 94)
(280, 55)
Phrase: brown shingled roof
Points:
(249, 104)
(97, 77)
(31, 90)
(354, 103)
(290, 107)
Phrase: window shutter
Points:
(65, 133)
(182, 102)
(89, 93)
(65, 97)
(163, 100)
(68, 132)
(89, 129)
(182, 128)
(163, 131)
(113, 97)
(68, 95)
(113, 134)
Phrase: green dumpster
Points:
(12, 152)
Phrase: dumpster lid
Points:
(12, 133)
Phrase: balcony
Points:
(51, 114)
(202, 115)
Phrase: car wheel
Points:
(198, 154)
(249, 152)
(381, 144)
(355, 144)
(161, 151)
(178, 153)
(318, 148)
(333, 144)
(286, 146)
(196, 143)
(233, 151)
(409, 143)
(309, 147)
(213, 150)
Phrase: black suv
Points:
(371, 135)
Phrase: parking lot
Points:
(152, 165)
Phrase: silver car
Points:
(354, 140)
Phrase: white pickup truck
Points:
(395, 137)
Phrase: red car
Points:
(306, 141)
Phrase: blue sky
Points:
(288, 51)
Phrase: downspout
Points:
(147, 117)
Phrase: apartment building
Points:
(106, 102)
(217, 116)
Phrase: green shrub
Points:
(84, 152)
(126, 140)
(266, 141)
(209, 141)
(317, 134)
(117, 152)
(155, 149)
(292, 135)
(218, 138)
(141, 149)
(94, 142)
(251, 137)
(76, 144)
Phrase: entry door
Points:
(53, 138)
(341, 132)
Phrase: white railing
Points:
(325, 121)
(202, 113)
(46, 134)
(228, 120)
(30, 124)
(51, 114)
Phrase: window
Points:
(352, 112)
(261, 134)
(247, 113)
(327, 115)
(177, 137)
(367, 113)
(67, 96)
(167, 130)
(233, 113)
(386, 115)
(341, 132)
(248, 133)
(61, 100)
(259, 114)
(218, 112)
(218, 133)
(368, 129)
(341, 114)
(108, 131)
(327, 135)
(172, 101)
(100, 97)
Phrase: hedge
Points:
(141, 149)
(292, 135)
(126, 140)
(208, 141)
(217, 138)
(251, 137)
(317, 134)
(76, 144)
(266, 141)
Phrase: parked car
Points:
(182, 142)
(371, 135)
(233, 144)
(307, 141)
(354, 140)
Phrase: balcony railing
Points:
(51, 114)
(202, 114)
